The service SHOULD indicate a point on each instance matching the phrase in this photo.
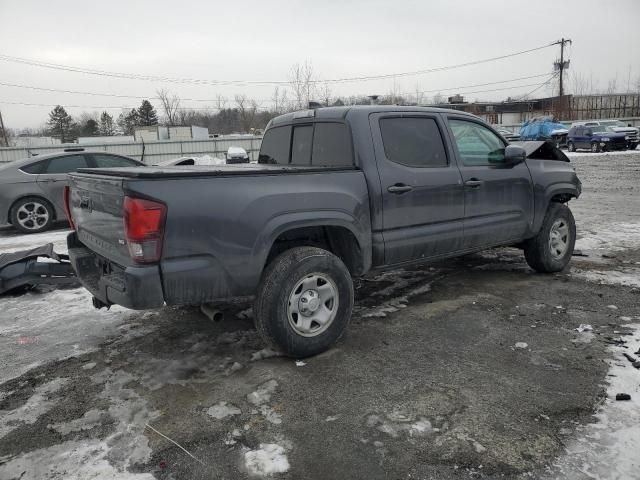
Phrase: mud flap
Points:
(22, 269)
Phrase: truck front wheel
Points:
(304, 301)
(551, 250)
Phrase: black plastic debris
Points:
(22, 269)
(623, 396)
(636, 364)
(631, 358)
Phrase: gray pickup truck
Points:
(337, 192)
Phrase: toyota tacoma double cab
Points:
(337, 192)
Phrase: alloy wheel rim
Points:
(32, 215)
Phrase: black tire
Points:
(538, 250)
(272, 312)
(595, 148)
(571, 147)
(40, 223)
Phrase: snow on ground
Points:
(12, 241)
(608, 448)
(629, 277)
(611, 237)
(588, 153)
(37, 328)
(270, 458)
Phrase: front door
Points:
(422, 194)
(53, 178)
(498, 198)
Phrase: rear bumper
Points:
(138, 288)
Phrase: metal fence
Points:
(154, 152)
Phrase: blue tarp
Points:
(539, 128)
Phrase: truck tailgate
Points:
(95, 203)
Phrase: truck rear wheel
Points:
(551, 250)
(304, 301)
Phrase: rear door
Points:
(422, 194)
(53, 178)
(498, 198)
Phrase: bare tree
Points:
(247, 109)
(221, 102)
(303, 84)
(438, 99)
(325, 94)
(612, 85)
(419, 95)
(170, 106)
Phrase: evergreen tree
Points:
(61, 124)
(147, 115)
(106, 125)
(90, 128)
(128, 121)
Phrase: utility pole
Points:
(4, 131)
(561, 65)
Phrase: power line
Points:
(169, 79)
(104, 107)
(138, 97)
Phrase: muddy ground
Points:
(467, 368)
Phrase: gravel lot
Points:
(471, 368)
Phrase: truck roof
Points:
(340, 113)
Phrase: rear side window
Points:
(112, 161)
(331, 145)
(413, 141)
(34, 168)
(66, 164)
(301, 145)
(275, 146)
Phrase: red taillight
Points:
(144, 228)
(67, 208)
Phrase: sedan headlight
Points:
(604, 139)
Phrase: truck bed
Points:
(207, 170)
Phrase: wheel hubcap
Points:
(559, 239)
(313, 304)
(32, 215)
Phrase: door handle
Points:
(399, 188)
(473, 183)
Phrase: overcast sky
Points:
(259, 41)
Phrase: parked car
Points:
(338, 192)
(508, 135)
(597, 139)
(633, 138)
(237, 155)
(31, 189)
(186, 161)
(544, 128)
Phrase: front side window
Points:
(413, 141)
(331, 145)
(477, 145)
(66, 164)
(112, 161)
(301, 145)
(275, 146)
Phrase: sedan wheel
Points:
(32, 215)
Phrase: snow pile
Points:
(222, 410)
(270, 458)
(263, 393)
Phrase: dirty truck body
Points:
(337, 192)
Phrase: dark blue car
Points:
(597, 139)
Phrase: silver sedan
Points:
(31, 190)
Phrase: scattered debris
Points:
(612, 307)
(629, 357)
(579, 253)
(300, 363)
(623, 396)
(175, 443)
(584, 327)
(331, 418)
(636, 364)
(89, 366)
(625, 319)
(521, 345)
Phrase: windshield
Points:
(613, 123)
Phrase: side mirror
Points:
(589, 134)
(514, 154)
